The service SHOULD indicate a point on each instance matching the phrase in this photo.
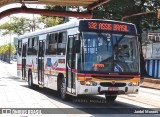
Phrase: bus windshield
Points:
(108, 53)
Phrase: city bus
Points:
(82, 57)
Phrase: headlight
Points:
(135, 83)
(88, 83)
(130, 84)
(94, 83)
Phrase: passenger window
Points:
(62, 39)
(32, 46)
(19, 47)
(51, 47)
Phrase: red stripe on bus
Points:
(64, 69)
(19, 64)
(74, 70)
(61, 69)
(29, 65)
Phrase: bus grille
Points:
(108, 84)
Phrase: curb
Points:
(150, 86)
(151, 80)
(6, 62)
(151, 83)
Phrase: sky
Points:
(20, 14)
(7, 38)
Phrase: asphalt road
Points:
(14, 93)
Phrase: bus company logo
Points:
(113, 82)
(6, 111)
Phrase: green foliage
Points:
(16, 26)
(4, 49)
(116, 9)
(19, 26)
(56, 8)
(50, 21)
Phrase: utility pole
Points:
(67, 18)
(10, 43)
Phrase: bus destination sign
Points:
(106, 26)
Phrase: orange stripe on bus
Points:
(109, 80)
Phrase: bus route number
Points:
(92, 25)
(107, 26)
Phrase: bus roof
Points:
(71, 24)
(60, 27)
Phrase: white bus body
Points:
(44, 56)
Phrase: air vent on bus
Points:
(108, 84)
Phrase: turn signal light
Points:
(82, 82)
(88, 83)
(88, 78)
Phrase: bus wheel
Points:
(30, 81)
(110, 98)
(63, 93)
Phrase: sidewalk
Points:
(11, 62)
(151, 83)
(13, 66)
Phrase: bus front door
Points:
(70, 66)
(41, 63)
(24, 61)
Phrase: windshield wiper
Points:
(119, 40)
(102, 36)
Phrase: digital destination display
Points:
(95, 25)
(107, 26)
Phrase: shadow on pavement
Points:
(85, 104)
(89, 104)
(14, 78)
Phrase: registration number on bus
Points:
(113, 89)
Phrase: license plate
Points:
(112, 88)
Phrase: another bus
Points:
(82, 57)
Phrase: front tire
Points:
(63, 89)
(110, 98)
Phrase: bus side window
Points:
(62, 38)
(32, 46)
(51, 47)
(19, 47)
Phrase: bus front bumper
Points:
(98, 89)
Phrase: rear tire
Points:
(30, 80)
(110, 98)
(63, 89)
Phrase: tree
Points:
(116, 9)
(5, 48)
(52, 21)
(64, 8)
(49, 21)
(17, 26)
